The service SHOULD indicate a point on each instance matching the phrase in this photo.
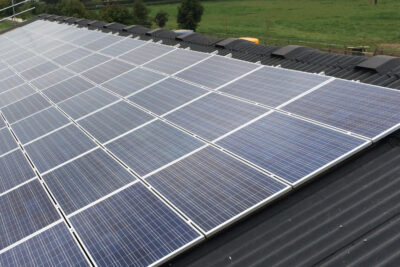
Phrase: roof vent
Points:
(226, 42)
(114, 26)
(289, 51)
(380, 64)
(136, 29)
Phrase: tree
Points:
(161, 18)
(114, 13)
(141, 14)
(71, 8)
(189, 14)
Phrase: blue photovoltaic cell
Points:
(87, 102)
(55, 246)
(217, 71)
(67, 89)
(122, 47)
(146, 53)
(7, 141)
(14, 170)
(39, 124)
(214, 115)
(107, 71)
(176, 61)
(211, 187)
(71, 56)
(153, 146)
(363, 109)
(15, 94)
(86, 179)
(132, 228)
(114, 121)
(167, 95)
(10, 83)
(288, 147)
(103, 42)
(51, 79)
(25, 107)
(38, 71)
(273, 86)
(58, 147)
(132, 81)
(24, 211)
(87, 63)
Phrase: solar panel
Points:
(145, 53)
(103, 42)
(273, 86)
(122, 47)
(114, 120)
(367, 110)
(19, 57)
(67, 89)
(24, 211)
(212, 188)
(89, 37)
(14, 170)
(57, 51)
(13, 95)
(71, 56)
(10, 83)
(39, 124)
(27, 64)
(132, 81)
(52, 247)
(86, 179)
(6, 73)
(107, 71)
(25, 107)
(87, 102)
(176, 61)
(2, 123)
(51, 78)
(291, 148)
(87, 63)
(58, 147)
(216, 71)
(7, 141)
(214, 115)
(38, 71)
(152, 146)
(132, 227)
(166, 95)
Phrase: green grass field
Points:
(344, 22)
(5, 25)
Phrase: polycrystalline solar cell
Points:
(87, 102)
(73, 35)
(7, 141)
(87, 63)
(24, 211)
(114, 121)
(41, 47)
(289, 147)
(152, 146)
(15, 94)
(89, 37)
(67, 89)
(71, 56)
(217, 71)
(38, 71)
(136, 224)
(122, 47)
(363, 109)
(14, 170)
(103, 42)
(57, 51)
(211, 187)
(132, 81)
(107, 71)
(146, 53)
(52, 247)
(214, 115)
(25, 107)
(166, 95)
(28, 63)
(86, 179)
(176, 61)
(273, 86)
(19, 57)
(2, 123)
(6, 73)
(51, 78)
(58, 147)
(39, 124)
(10, 83)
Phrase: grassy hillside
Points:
(5, 25)
(351, 22)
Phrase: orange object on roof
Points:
(251, 39)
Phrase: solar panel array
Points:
(117, 151)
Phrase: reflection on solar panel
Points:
(363, 109)
(123, 136)
(288, 147)
(138, 223)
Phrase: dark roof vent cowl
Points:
(380, 64)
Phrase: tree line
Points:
(189, 12)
